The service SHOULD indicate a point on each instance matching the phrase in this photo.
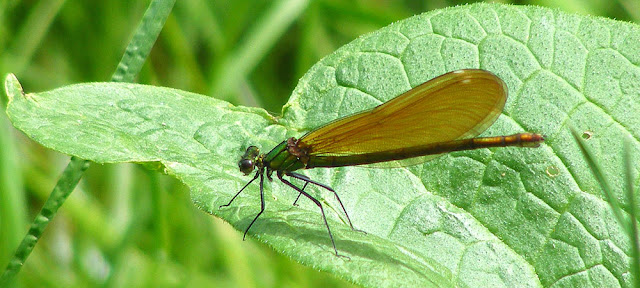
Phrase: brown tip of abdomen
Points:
(530, 139)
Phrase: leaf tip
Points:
(12, 86)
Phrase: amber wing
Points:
(457, 105)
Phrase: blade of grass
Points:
(129, 66)
(261, 37)
(140, 46)
(12, 200)
(68, 181)
(630, 226)
(635, 246)
(596, 170)
(31, 34)
(633, 8)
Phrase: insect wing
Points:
(456, 105)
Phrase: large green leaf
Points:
(510, 217)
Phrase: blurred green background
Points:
(125, 226)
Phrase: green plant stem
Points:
(140, 46)
(630, 226)
(129, 66)
(596, 170)
(27, 40)
(68, 181)
(12, 199)
(633, 221)
(260, 38)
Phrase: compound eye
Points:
(246, 166)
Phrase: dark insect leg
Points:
(295, 203)
(261, 206)
(245, 186)
(324, 217)
(307, 181)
